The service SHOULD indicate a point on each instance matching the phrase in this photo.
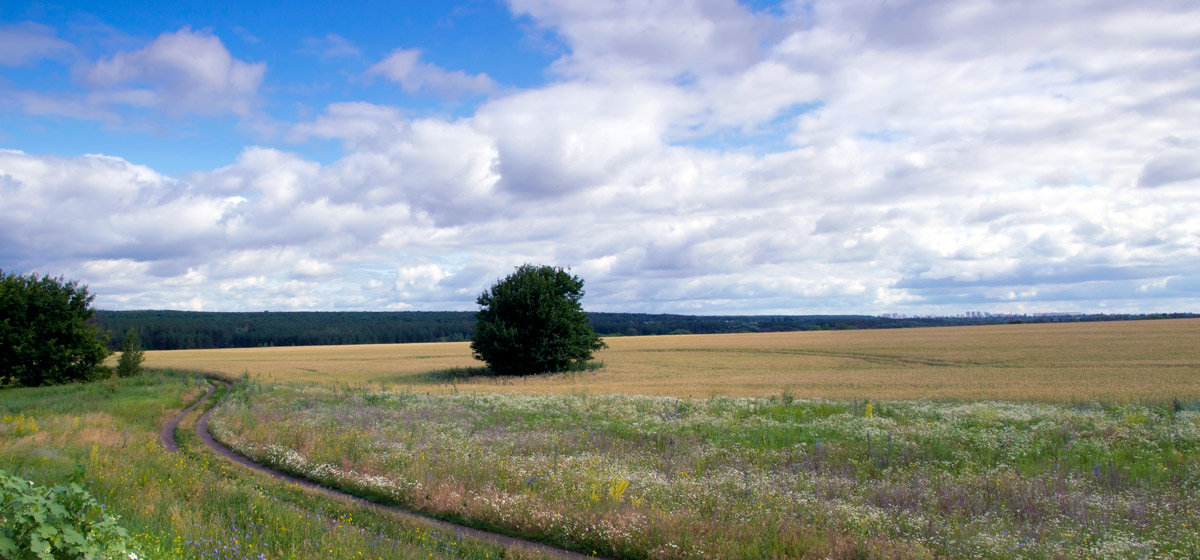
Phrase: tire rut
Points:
(167, 437)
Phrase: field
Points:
(1113, 362)
(1015, 441)
(191, 504)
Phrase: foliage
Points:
(45, 337)
(60, 523)
(130, 362)
(532, 322)
(186, 330)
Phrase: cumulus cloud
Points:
(573, 136)
(404, 66)
(445, 171)
(848, 156)
(658, 39)
(179, 73)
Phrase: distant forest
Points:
(176, 330)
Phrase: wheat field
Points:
(1055, 362)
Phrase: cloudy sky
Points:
(704, 156)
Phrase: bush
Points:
(60, 523)
(532, 322)
(45, 337)
(130, 362)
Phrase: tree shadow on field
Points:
(479, 373)
(455, 374)
(474, 374)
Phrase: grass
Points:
(1133, 361)
(192, 504)
(724, 477)
(1015, 441)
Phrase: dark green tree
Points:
(45, 337)
(130, 362)
(532, 322)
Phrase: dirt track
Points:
(167, 437)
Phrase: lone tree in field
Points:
(130, 362)
(45, 337)
(532, 322)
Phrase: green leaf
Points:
(70, 535)
(40, 548)
(8, 548)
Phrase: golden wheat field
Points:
(1057, 362)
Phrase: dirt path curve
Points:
(167, 436)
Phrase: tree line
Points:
(176, 330)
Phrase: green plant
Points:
(45, 337)
(532, 322)
(130, 362)
(60, 523)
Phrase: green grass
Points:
(192, 504)
(759, 446)
(638, 477)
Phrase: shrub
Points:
(60, 523)
(130, 362)
(532, 322)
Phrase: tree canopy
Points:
(532, 322)
(45, 337)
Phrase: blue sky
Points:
(850, 156)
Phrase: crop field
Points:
(1014, 441)
(1066, 362)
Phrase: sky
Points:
(680, 156)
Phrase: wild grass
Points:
(192, 504)
(1014, 441)
(725, 477)
(1135, 361)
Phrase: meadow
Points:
(735, 477)
(192, 504)
(1011, 441)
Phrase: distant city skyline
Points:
(711, 157)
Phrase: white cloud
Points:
(660, 39)
(695, 157)
(404, 66)
(418, 282)
(567, 137)
(1176, 161)
(177, 73)
(29, 42)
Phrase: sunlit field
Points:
(1063, 362)
(744, 478)
(193, 505)
(1048, 441)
